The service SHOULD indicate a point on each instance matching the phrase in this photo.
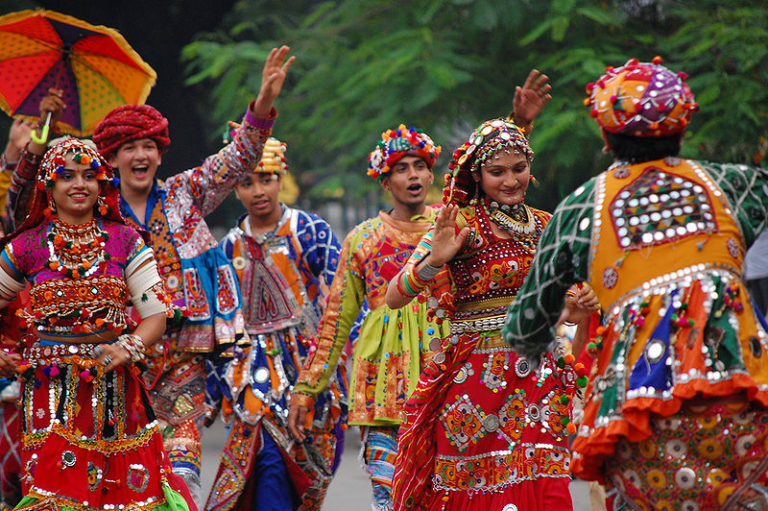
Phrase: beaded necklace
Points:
(76, 250)
(515, 219)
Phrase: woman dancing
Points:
(89, 436)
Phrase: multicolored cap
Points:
(641, 99)
(273, 159)
(485, 141)
(398, 143)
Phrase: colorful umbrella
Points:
(93, 65)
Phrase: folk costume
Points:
(284, 277)
(675, 413)
(90, 440)
(199, 278)
(486, 428)
(389, 353)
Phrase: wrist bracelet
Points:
(134, 345)
(427, 272)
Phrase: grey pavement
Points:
(350, 489)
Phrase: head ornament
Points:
(398, 143)
(485, 141)
(641, 99)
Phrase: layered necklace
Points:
(76, 250)
(515, 219)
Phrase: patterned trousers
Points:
(378, 451)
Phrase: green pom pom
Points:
(582, 381)
(565, 400)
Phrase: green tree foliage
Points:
(446, 65)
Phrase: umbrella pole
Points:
(43, 139)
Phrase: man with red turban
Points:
(198, 277)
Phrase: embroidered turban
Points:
(131, 122)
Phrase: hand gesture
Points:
(272, 79)
(446, 241)
(580, 302)
(18, 136)
(530, 99)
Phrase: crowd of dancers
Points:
(128, 328)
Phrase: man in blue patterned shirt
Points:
(285, 260)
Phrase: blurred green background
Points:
(442, 65)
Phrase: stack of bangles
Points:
(414, 282)
(134, 345)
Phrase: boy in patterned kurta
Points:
(198, 277)
(675, 413)
(285, 259)
(388, 354)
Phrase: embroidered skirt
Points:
(486, 429)
(89, 438)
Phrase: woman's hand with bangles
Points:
(447, 239)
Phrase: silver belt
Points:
(477, 325)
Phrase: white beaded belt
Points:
(38, 354)
(477, 325)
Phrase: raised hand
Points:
(446, 240)
(53, 104)
(18, 136)
(272, 79)
(531, 98)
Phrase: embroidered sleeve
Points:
(210, 183)
(345, 301)
(320, 247)
(21, 187)
(747, 192)
(562, 258)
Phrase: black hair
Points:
(640, 149)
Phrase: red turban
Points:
(131, 122)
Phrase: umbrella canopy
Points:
(93, 65)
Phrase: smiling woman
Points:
(86, 410)
(75, 191)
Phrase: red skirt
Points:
(89, 438)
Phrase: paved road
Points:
(350, 489)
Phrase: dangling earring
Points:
(103, 209)
(534, 181)
(51, 209)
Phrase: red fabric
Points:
(131, 122)
(539, 495)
